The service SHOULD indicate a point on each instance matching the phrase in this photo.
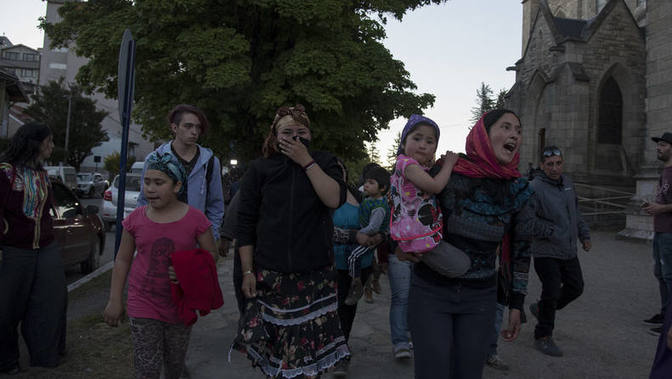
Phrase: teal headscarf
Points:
(169, 165)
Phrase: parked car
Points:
(79, 231)
(91, 184)
(137, 167)
(66, 174)
(110, 198)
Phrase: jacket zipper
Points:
(291, 219)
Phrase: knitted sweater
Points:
(476, 220)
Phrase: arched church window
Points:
(610, 124)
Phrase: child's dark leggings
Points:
(155, 343)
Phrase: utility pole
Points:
(67, 125)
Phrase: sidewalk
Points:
(601, 333)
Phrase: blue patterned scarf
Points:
(169, 165)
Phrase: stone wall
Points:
(557, 89)
(617, 49)
(658, 74)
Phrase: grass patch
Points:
(93, 287)
(95, 350)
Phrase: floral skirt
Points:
(292, 328)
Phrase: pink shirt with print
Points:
(416, 219)
(149, 293)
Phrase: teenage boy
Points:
(203, 189)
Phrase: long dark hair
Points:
(354, 191)
(24, 147)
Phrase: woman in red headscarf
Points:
(451, 319)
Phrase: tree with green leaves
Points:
(392, 152)
(500, 103)
(112, 163)
(484, 102)
(372, 152)
(50, 106)
(240, 60)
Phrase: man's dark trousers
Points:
(562, 282)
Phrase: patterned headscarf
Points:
(414, 120)
(290, 115)
(482, 162)
(169, 165)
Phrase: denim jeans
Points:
(400, 280)
(662, 266)
(499, 317)
(451, 326)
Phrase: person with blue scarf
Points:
(163, 226)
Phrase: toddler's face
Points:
(371, 188)
(421, 144)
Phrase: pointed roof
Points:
(568, 29)
(13, 86)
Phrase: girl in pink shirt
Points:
(156, 230)
(416, 219)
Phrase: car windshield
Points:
(132, 182)
(83, 177)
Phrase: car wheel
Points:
(92, 262)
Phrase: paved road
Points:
(601, 333)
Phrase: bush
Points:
(113, 163)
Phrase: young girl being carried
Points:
(163, 226)
(416, 220)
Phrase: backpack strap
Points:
(208, 170)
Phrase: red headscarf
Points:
(481, 161)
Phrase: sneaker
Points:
(534, 309)
(376, 286)
(547, 346)
(656, 331)
(355, 293)
(655, 320)
(368, 295)
(341, 368)
(402, 351)
(497, 363)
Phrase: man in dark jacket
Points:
(558, 223)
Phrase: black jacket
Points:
(282, 216)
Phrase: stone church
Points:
(595, 78)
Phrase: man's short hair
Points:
(550, 151)
(380, 175)
(175, 116)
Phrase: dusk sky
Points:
(449, 49)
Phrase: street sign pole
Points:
(126, 84)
